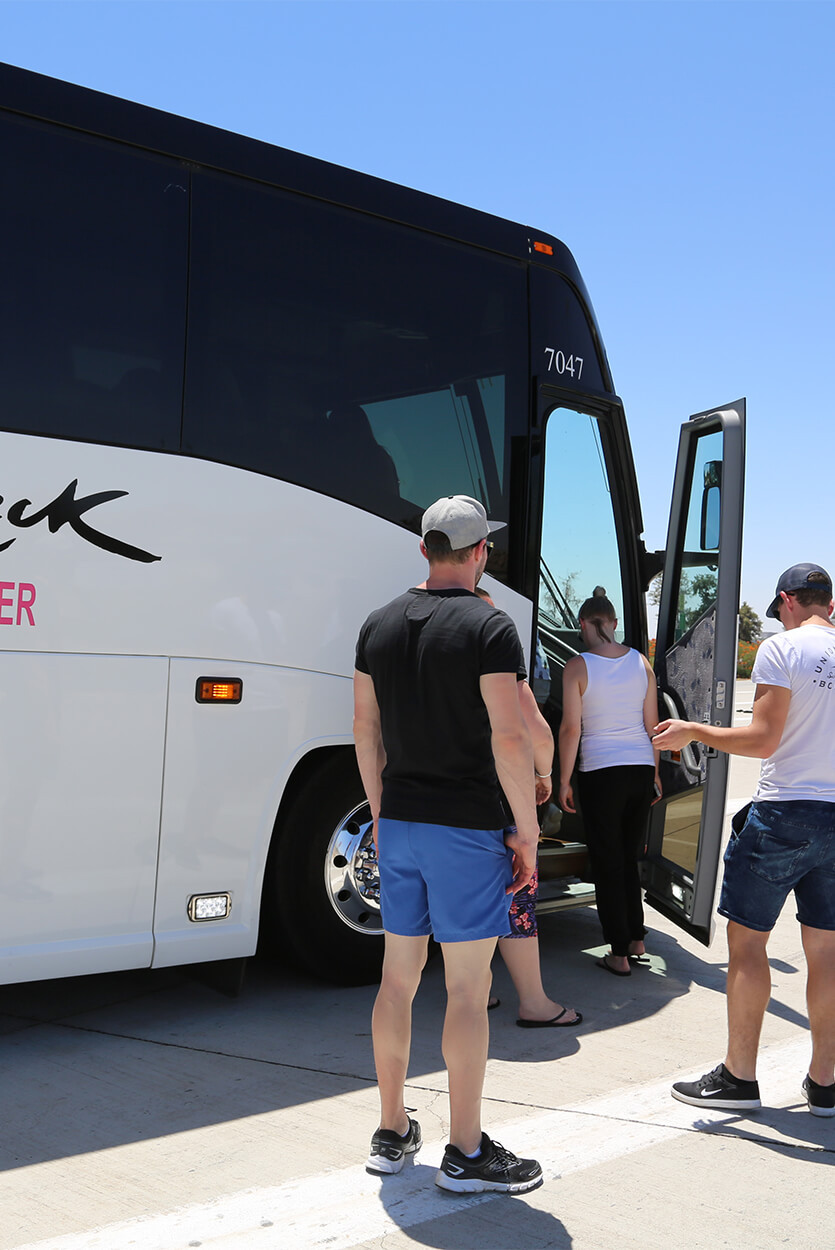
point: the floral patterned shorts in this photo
(523, 910)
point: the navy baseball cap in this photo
(799, 577)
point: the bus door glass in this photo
(579, 554)
(695, 663)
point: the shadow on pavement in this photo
(470, 1222)
(97, 1062)
(797, 1128)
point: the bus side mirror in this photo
(711, 506)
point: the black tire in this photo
(304, 912)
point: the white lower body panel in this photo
(81, 758)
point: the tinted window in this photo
(94, 248)
(362, 359)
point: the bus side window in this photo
(95, 278)
(397, 358)
(350, 440)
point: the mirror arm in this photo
(652, 563)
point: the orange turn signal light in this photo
(544, 247)
(219, 690)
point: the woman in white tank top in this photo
(610, 706)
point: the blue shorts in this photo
(782, 846)
(442, 880)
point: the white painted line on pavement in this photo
(338, 1210)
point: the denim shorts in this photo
(443, 880)
(782, 846)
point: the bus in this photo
(231, 379)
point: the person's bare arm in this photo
(758, 740)
(513, 756)
(570, 727)
(542, 741)
(650, 717)
(368, 739)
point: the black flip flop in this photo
(556, 1022)
(493, 1003)
(607, 967)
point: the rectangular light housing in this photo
(219, 690)
(209, 906)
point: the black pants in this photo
(615, 804)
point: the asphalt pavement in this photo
(145, 1111)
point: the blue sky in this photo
(683, 151)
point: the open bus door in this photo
(695, 662)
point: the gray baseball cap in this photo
(798, 578)
(461, 518)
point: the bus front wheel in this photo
(322, 890)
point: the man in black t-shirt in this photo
(437, 727)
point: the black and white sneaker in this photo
(493, 1168)
(719, 1088)
(389, 1149)
(821, 1098)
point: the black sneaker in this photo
(719, 1089)
(494, 1168)
(389, 1149)
(821, 1098)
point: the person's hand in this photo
(524, 859)
(566, 798)
(543, 790)
(672, 735)
(659, 790)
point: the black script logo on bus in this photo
(67, 510)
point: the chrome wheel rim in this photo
(352, 878)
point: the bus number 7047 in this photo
(560, 363)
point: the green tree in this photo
(750, 625)
(696, 593)
(556, 607)
(701, 594)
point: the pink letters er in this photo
(25, 599)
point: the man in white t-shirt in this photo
(784, 840)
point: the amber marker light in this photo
(219, 690)
(544, 247)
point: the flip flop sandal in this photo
(556, 1022)
(607, 967)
